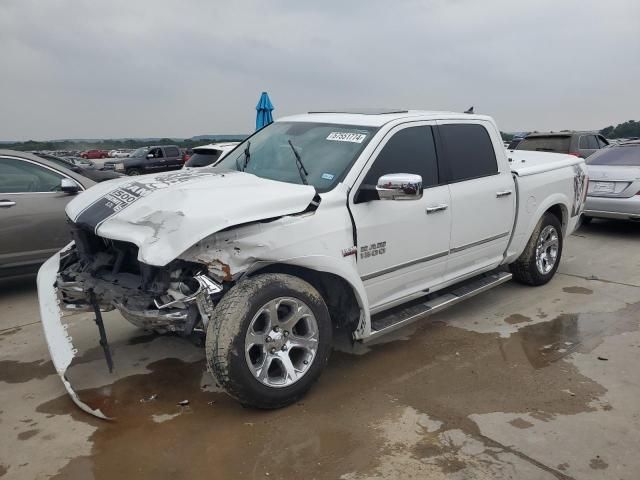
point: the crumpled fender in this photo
(59, 341)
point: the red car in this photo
(94, 154)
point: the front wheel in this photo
(268, 340)
(541, 257)
(133, 172)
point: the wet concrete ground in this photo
(518, 383)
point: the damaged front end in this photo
(96, 274)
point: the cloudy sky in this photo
(88, 69)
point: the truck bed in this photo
(524, 162)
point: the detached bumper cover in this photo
(59, 342)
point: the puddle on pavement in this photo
(578, 290)
(448, 373)
(547, 342)
(12, 371)
(517, 318)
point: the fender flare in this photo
(343, 269)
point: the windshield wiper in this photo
(247, 158)
(301, 170)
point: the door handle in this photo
(504, 193)
(7, 203)
(437, 208)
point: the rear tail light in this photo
(586, 189)
(575, 154)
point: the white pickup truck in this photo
(359, 221)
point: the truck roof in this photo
(379, 117)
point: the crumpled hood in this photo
(164, 214)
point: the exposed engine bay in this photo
(106, 274)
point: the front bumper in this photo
(613, 207)
(56, 295)
(59, 342)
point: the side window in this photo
(156, 152)
(593, 142)
(584, 142)
(601, 141)
(18, 176)
(468, 151)
(172, 152)
(411, 150)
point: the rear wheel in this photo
(541, 257)
(268, 340)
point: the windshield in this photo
(140, 152)
(627, 156)
(326, 151)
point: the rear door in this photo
(32, 218)
(173, 158)
(482, 196)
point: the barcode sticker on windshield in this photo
(346, 137)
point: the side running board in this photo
(397, 317)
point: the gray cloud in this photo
(79, 68)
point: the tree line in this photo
(630, 128)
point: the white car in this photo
(120, 153)
(363, 221)
(209, 154)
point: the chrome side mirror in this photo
(399, 186)
(69, 186)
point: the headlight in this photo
(119, 166)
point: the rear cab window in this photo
(467, 151)
(550, 143)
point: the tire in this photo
(241, 319)
(133, 171)
(586, 220)
(531, 268)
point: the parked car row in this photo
(82, 166)
(164, 158)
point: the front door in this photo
(32, 219)
(402, 244)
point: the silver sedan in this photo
(33, 223)
(614, 183)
